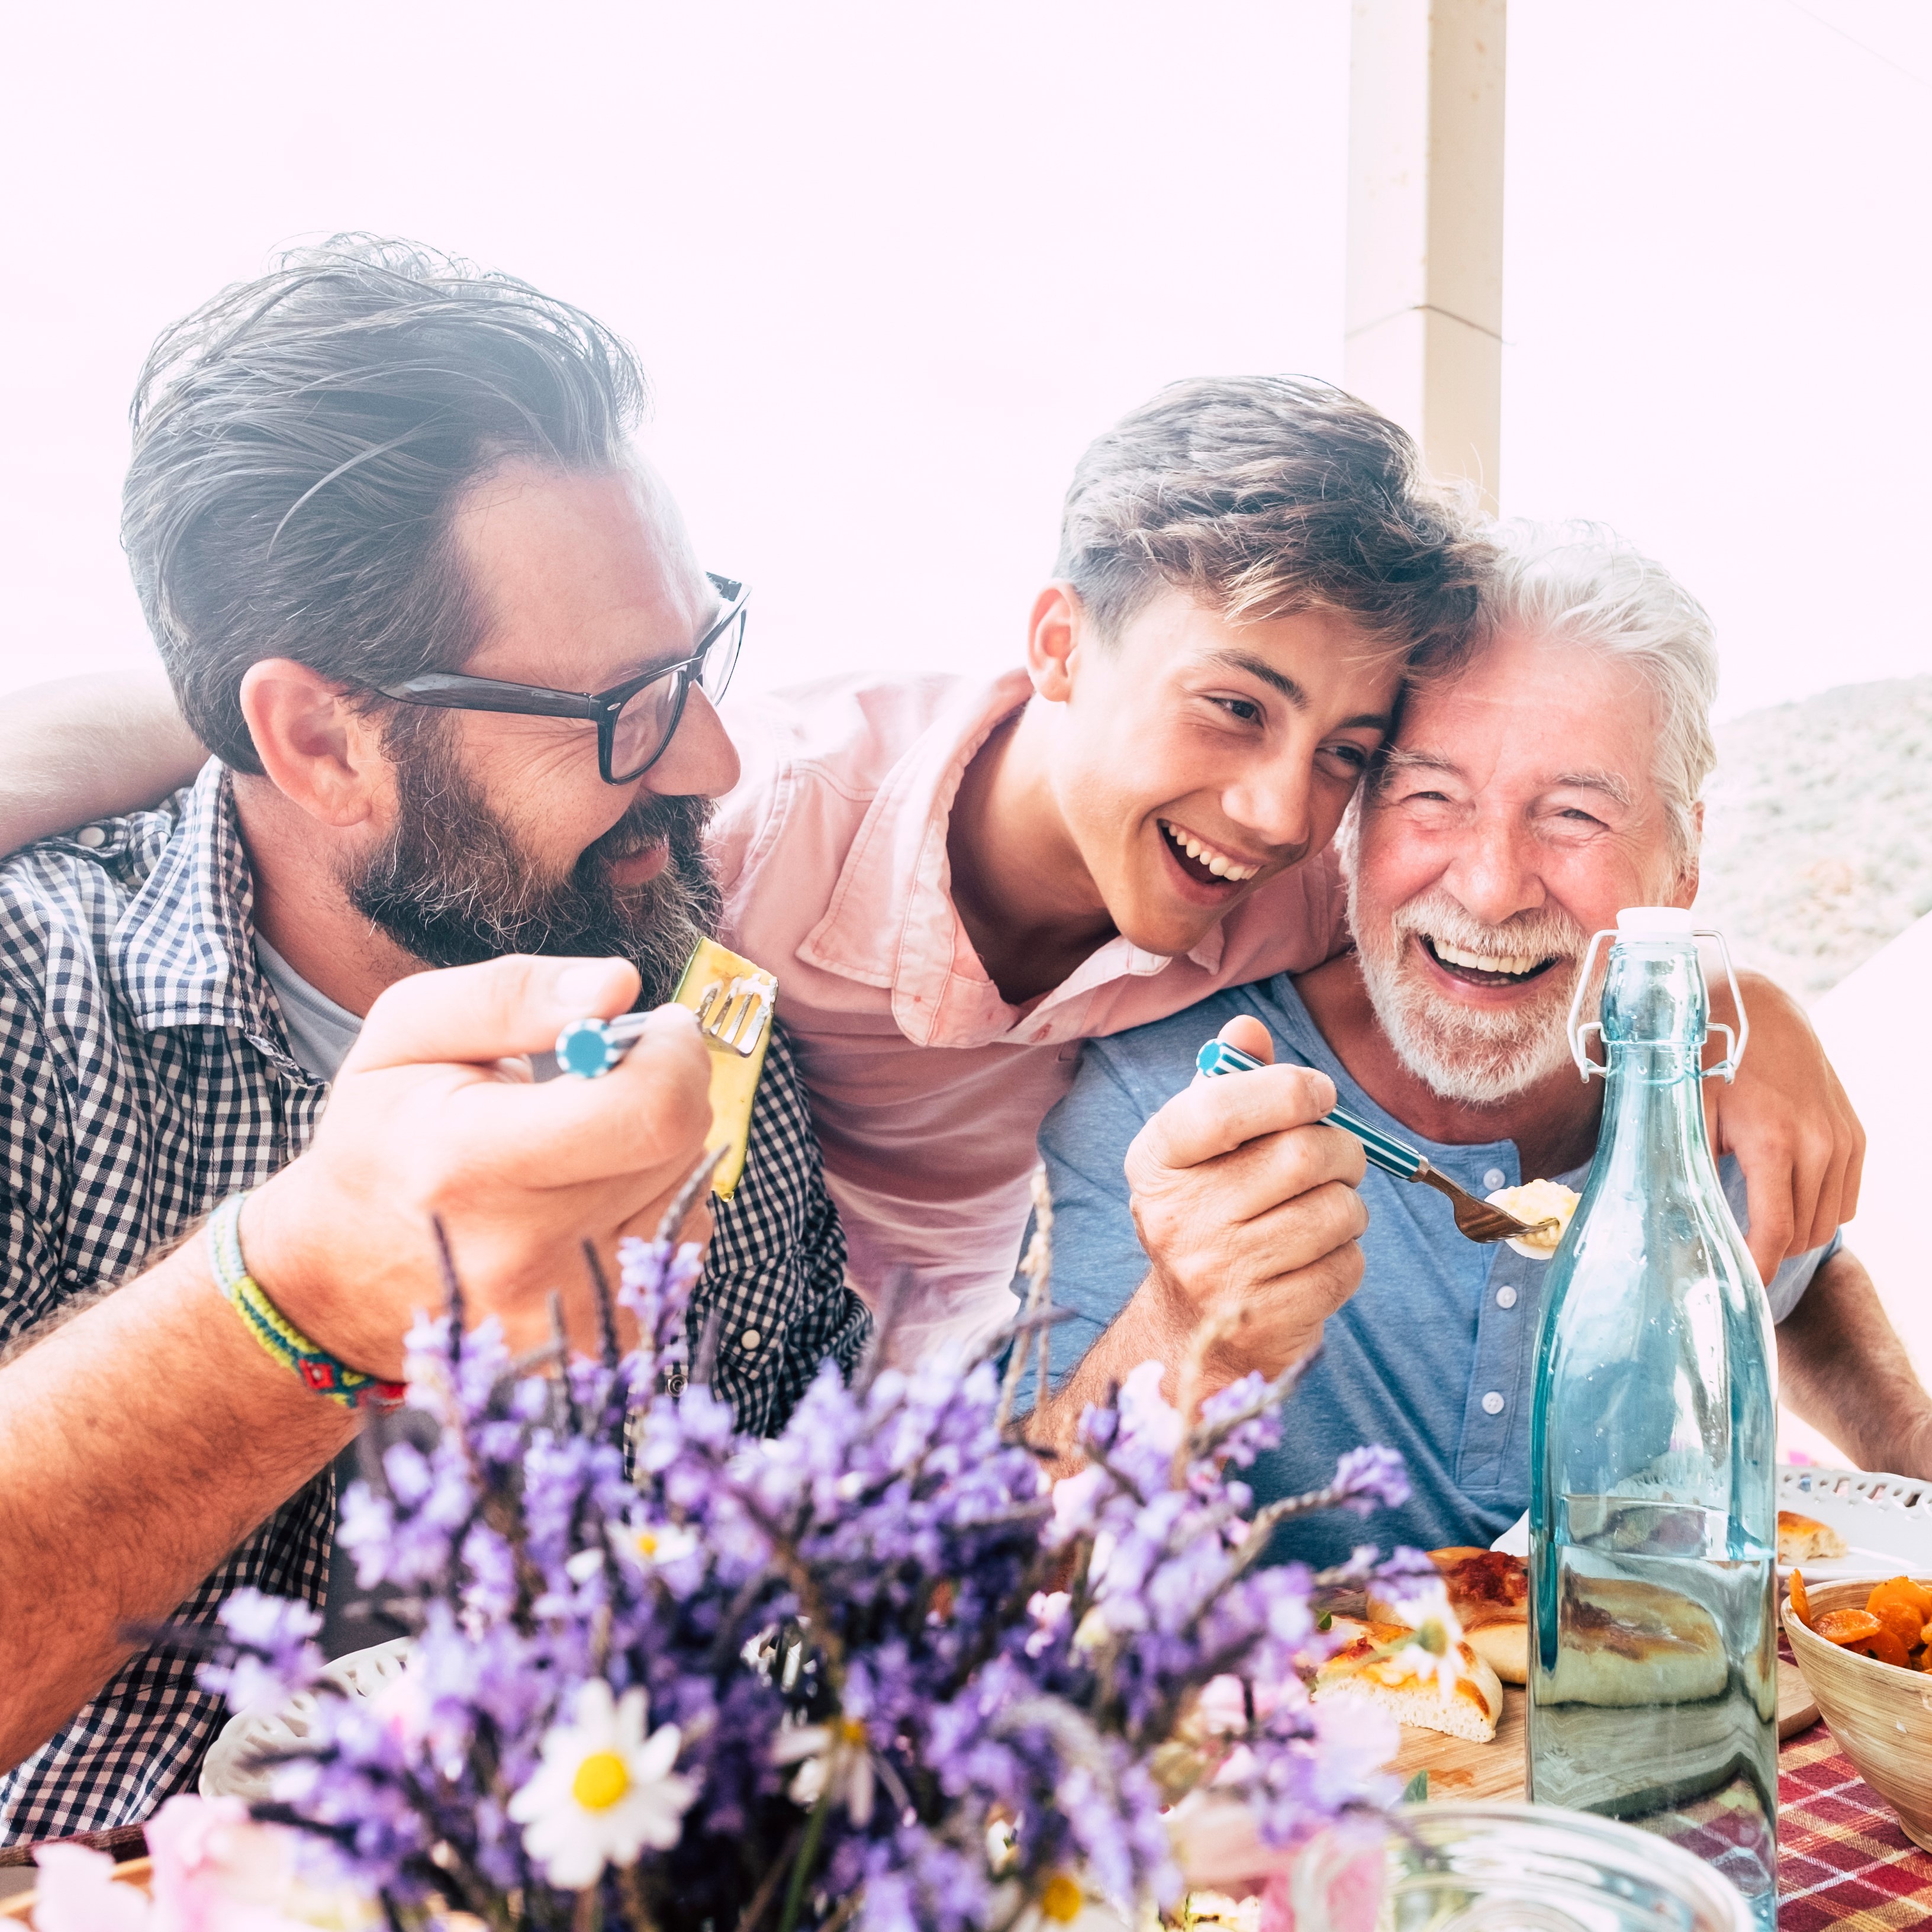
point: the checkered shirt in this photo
(145, 1074)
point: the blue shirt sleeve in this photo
(1097, 1259)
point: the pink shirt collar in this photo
(891, 922)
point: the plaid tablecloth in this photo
(1842, 1859)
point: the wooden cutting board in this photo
(1458, 1768)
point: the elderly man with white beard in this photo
(1526, 796)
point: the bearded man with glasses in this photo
(448, 642)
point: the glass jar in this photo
(1504, 1867)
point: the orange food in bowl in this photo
(1903, 1590)
(1801, 1604)
(1891, 1628)
(1901, 1619)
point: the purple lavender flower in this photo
(271, 1654)
(1371, 1478)
(892, 1655)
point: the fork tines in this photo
(736, 1015)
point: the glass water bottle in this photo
(1653, 1676)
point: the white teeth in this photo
(1514, 964)
(1219, 863)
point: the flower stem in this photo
(814, 1831)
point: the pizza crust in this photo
(1405, 1685)
(1804, 1539)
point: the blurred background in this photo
(890, 268)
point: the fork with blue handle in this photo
(1480, 1220)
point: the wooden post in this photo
(1425, 283)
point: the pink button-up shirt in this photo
(927, 1088)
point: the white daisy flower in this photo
(1431, 1650)
(604, 1791)
(649, 1545)
(1065, 1905)
(838, 1756)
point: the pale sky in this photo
(890, 268)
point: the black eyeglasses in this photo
(636, 720)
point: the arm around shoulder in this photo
(1790, 1124)
(87, 748)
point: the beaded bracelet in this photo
(320, 1370)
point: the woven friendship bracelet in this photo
(320, 1370)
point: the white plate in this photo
(1886, 1521)
(229, 1769)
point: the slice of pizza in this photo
(1490, 1593)
(1804, 1539)
(1377, 1667)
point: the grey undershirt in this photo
(320, 1033)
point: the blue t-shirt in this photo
(1433, 1355)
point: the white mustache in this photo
(1545, 934)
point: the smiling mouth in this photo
(1204, 864)
(1491, 969)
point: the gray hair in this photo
(301, 444)
(1582, 584)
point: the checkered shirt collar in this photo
(183, 954)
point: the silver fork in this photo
(736, 1015)
(1480, 1220)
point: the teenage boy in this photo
(956, 883)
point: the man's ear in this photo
(1687, 878)
(319, 751)
(1053, 638)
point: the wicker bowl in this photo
(1881, 1715)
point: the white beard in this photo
(1480, 1058)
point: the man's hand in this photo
(1790, 1125)
(1248, 1210)
(142, 1440)
(433, 1115)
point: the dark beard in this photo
(451, 886)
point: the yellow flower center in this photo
(1063, 1898)
(852, 1730)
(600, 1781)
(647, 1542)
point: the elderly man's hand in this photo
(433, 1115)
(1790, 1124)
(1247, 1207)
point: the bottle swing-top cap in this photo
(1655, 922)
(1635, 925)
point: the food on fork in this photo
(1804, 1539)
(1488, 1590)
(1537, 1200)
(1378, 1666)
(733, 1001)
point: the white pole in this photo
(1425, 282)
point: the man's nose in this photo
(1275, 807)
(701, 761)
(1493, 874)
